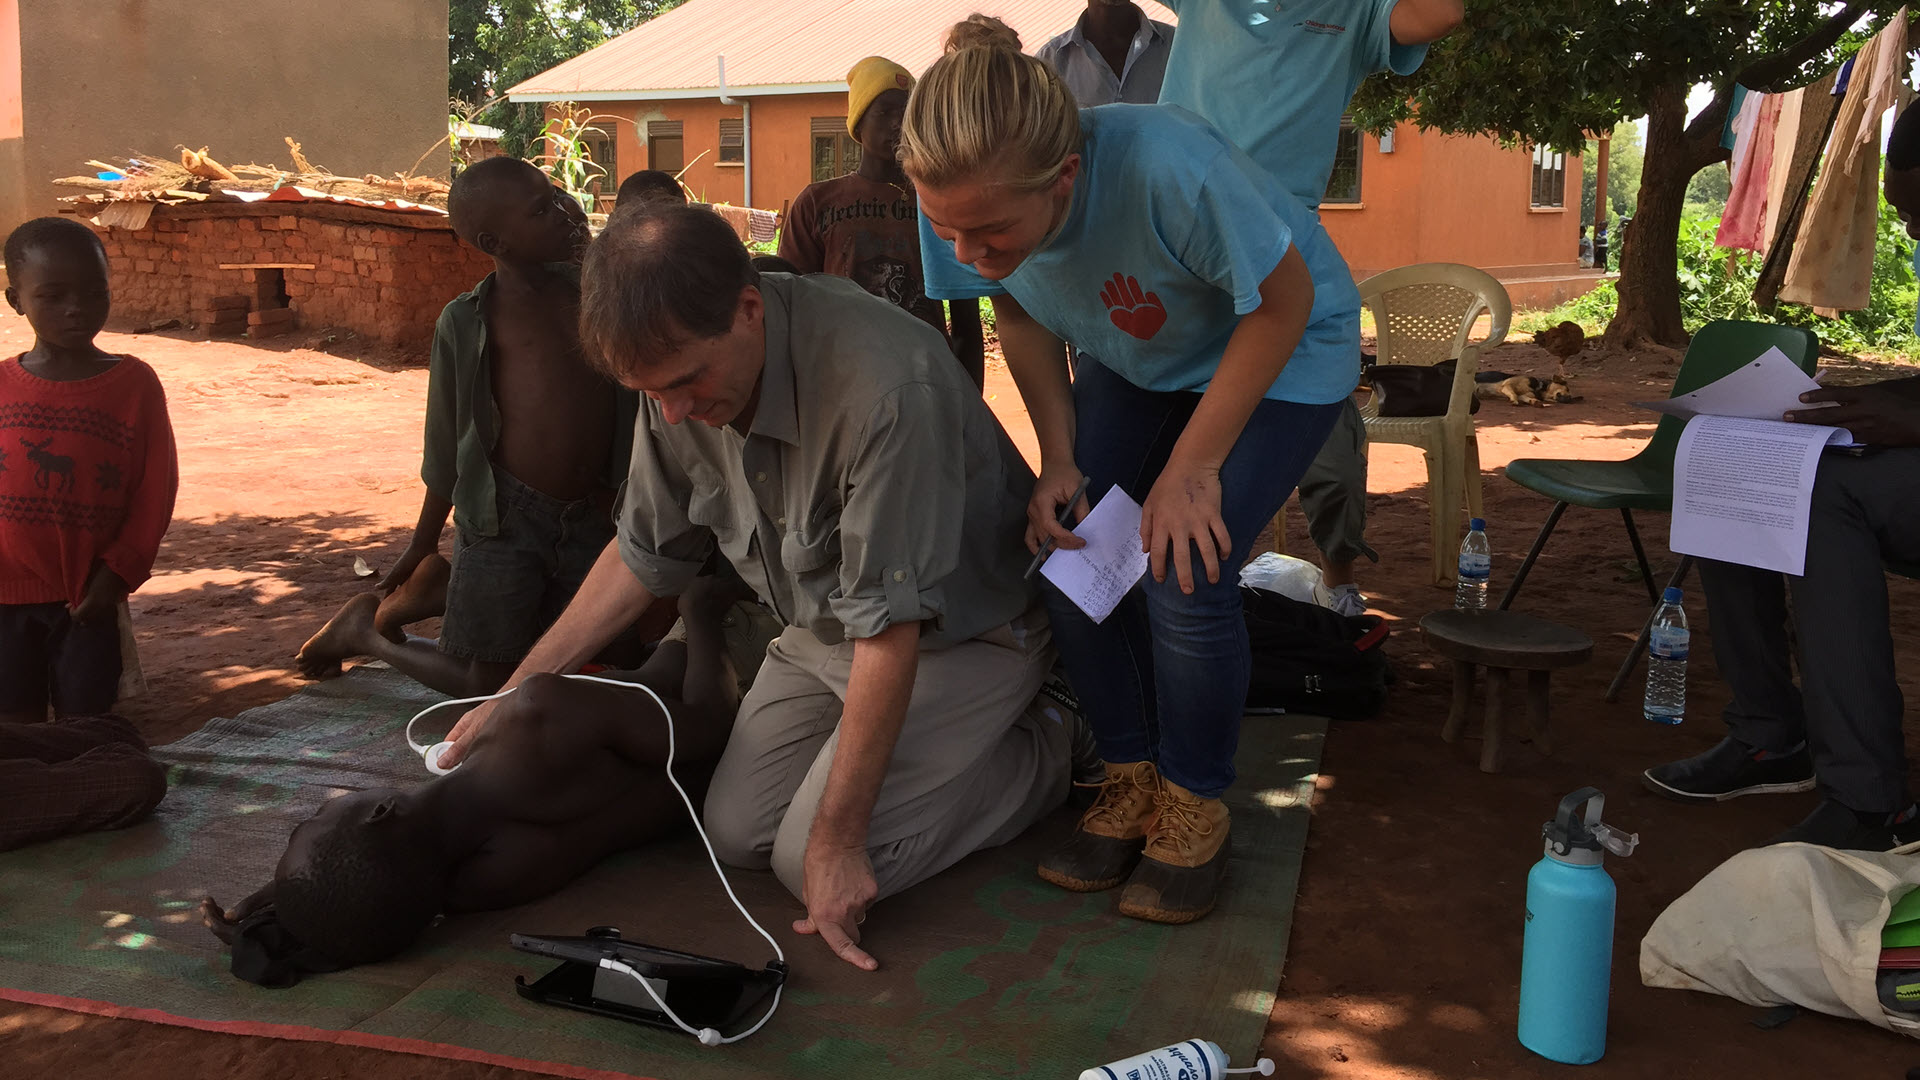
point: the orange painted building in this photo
(746, 100)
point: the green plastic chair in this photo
(1645, 480)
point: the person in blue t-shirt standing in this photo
(1219, 332)
(1275, 78)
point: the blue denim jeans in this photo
(1164, 678)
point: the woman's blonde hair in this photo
(987, 111)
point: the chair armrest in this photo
(1460, 399)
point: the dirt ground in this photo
(1405, 950)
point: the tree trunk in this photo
(1649, 311)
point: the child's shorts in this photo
(506, 589)
(45, 654)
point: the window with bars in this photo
(733, 142)
(835, 154)
(666, 145)
(1549, 179)
(1343, 184)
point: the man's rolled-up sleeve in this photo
(659, 544)
(900, 524)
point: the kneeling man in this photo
(852, 475)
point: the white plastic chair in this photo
(1424, 315)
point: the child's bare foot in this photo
(422, 596)
(346, 634)
(216, 919)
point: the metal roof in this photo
(781, 46)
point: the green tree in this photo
(1624, 154)
(494, 44)
(1551, 71)
(1708, 190)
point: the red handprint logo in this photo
(1140, 314)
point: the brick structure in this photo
(384, 275)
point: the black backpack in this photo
(1307, 659)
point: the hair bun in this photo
(982, 32)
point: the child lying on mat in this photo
(569, 773)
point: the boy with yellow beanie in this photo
(865, 225)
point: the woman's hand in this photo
(1183, 509)
(1051, 491)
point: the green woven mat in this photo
(986, 971)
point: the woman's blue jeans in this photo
(1164, 678)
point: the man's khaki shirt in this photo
(873, 487)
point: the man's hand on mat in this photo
(1183, 512)
(839, 887)
(465, 732)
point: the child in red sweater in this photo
(87, 480)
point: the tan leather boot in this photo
(1107, 843)
(1185, 860)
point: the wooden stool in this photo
(1503, 642)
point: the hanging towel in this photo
(1743, 122)
(1743, 223)
(1786, 134)
(1832, 265)
(1729, 134)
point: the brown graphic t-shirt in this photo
(866, 230)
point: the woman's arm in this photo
(1038, 362)
(1418, 22)
(1184, 505)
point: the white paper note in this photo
(1743, 489)
(1095, 577)
(1765, 389)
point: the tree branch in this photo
(1703, 132)
(1768, 70)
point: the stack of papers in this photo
(1743, 477)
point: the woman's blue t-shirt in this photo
(1189, 225)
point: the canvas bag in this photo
(1792, 924)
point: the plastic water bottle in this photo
(1566, 957)
(1476, 568)
(1667, 662)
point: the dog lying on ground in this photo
(1523, 389)
(1413, 390)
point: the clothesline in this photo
(1819, 246)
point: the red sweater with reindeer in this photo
(87, 473)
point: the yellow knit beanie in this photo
(868, 80)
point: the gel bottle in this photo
(1566, 961)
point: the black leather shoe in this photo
(1728, 771)
(1836, 825)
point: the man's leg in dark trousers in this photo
(1865, 510)
(1747, 611)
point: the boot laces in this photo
(1178, 821)
(1117, 792)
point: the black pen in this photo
(1065, 515)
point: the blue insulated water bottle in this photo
(1566, 960)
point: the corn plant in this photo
(568, 158)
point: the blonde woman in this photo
(1219, 331)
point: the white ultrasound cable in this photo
(707, 1036)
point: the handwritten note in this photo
(1097, 576)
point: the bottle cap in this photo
(1671, 596)
(1579, 839)
(1477, 524)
